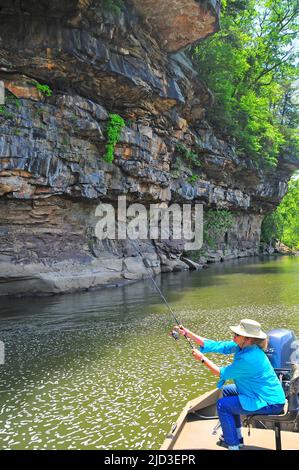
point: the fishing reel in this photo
(174, 334)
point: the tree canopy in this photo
(283, 224)
(251, 66)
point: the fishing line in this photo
(174, 334)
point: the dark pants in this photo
(229, 410)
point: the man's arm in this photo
(209, 345)
(198, 356)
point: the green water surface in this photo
(97, 370)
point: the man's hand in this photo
(198, 356)
(181, 329)
(185, 332)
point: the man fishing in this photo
(256, 388)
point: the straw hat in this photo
(249, 328)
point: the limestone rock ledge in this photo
(68, 275)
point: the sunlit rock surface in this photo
(179, 23)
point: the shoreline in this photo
(52, 283)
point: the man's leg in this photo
(228, 407)
(228, 391)
(267, 410)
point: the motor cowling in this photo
(283, 353)
(283, 348)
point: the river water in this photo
(97, 370)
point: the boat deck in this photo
(197, 434)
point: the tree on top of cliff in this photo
(251, 66)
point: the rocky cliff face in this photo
(52, 172)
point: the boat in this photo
(198, 426)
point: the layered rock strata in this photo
(52, 171)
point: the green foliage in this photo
(192, 179)
(251, 67)
(114, 128)
(190, 157)
(288, 214)
(215, 224)
(45, 89)
(113, 6)
(283, 224)
(271, 228)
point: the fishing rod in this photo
(173, 333)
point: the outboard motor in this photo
(283, 348)
(283, 353)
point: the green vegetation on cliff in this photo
(43, 88)
(251, 68)
(283, 224)
(215, 224)
(114, 127)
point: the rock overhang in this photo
(179, 23)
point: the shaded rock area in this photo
(52, 172)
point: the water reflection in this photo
(97, 369)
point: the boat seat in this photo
(289, 415)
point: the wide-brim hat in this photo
(249, 328)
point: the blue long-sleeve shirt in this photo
(252, 372)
